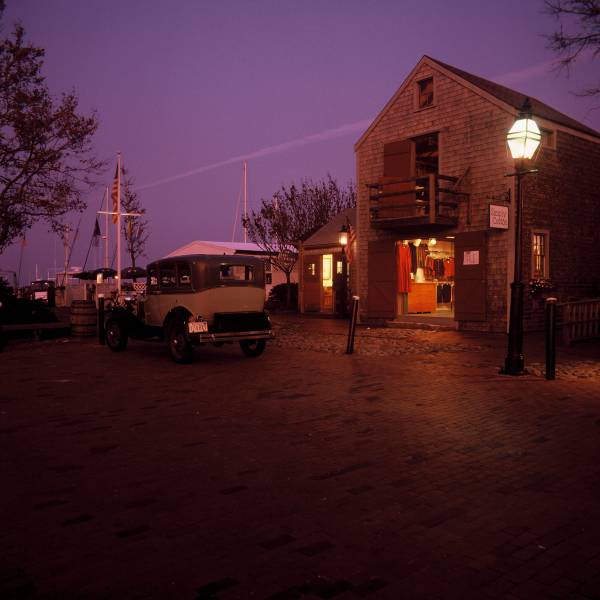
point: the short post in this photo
(550, 330)
(352, 328)
(101, 333)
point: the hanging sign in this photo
(498, 216)
(471, 257)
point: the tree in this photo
(135, 229)
(45, 145)
(291, 216)
(582, 33)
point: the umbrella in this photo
(133, 273)
(106, 273)
(87, 275)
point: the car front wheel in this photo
(180, 346)
(116, 335)
(253, 348)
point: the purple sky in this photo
(181, 86)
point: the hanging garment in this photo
(438, 268)
(444, 293)
(413, 257)
(449, 268)
(403, 268)
(422, 253)
(429, 271)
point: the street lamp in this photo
(343, 241)
(523, 140)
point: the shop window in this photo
(425, 92)
(539, 258)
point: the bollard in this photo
(550, 330)
(352, 328)
(101, 333)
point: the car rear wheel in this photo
(253, 348)
(116, 335)
(180, 346)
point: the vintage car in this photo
(193, 300)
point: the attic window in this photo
(425, 91)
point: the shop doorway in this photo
(425, 277)
(327, 282)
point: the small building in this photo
(273, 276)
(435, 209)
(326, 274)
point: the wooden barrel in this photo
(83, 318)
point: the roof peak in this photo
(515, 98)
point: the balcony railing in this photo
(431, 200)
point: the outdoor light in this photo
(523, 140)
(524, 136)
(343, 236)
(432, 242)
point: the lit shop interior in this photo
(425, 276)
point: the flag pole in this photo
(119, 223)
(106, 230)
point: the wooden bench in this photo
(36, 328)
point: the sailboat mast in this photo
(245, 200)
(119, 223)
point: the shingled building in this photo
(435, 214)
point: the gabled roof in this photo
(516, 99)
(328, 235)
(511, 99)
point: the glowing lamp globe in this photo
(524, 136)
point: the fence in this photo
(580, 320)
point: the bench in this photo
(36, 328)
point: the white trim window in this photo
(540, 256)
(425, 93)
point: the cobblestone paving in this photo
(331, 338)
(368, 342)
(303, 474)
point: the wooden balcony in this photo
(430, 202)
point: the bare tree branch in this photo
(578, 31)
(292, 215)
(45, 145)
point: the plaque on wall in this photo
(471, 257)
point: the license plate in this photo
(198, 326)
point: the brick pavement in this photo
(301, 474)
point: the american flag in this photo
(97, 233)
(114, 194)
(351, 240)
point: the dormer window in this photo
(425, 92)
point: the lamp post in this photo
(343, 241)
(523, 140)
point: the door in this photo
(398, 163)
(381, 298)
(312, 283)
(327, 281)
(470, 276)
